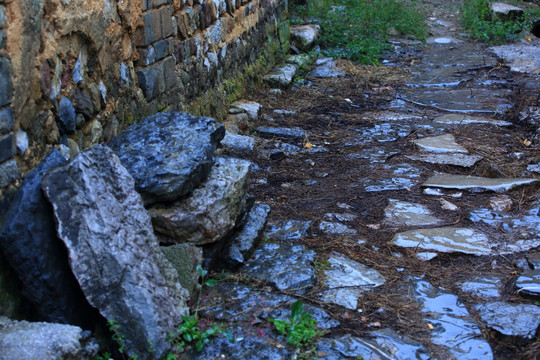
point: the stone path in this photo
(405, 217)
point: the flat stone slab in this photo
(462, 119)
(445, 239)
(488, 286)
(383, 344)
(528, 283)
(288, 230)
(286, 266)
(347, 279)
(506, 11)
(238, 145)
(402, 213)
(23, 340)
(251, 108)
(381, 133)
(475, 183)
(394, 177)
(453, 327)
(521, 57)
(168, 154)
(447, 159)
(326, 68)
(440, 144)
(336, 228)
(281, 76)
(211, 210)
(373, 154)
(113, 251)
(514, 320)
(286, 133)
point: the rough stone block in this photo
(161, 49)
(169, 72)
(147, 56)
(7, 147)
(166, 14)
(6, 120)
(9, 172)
(113, 251)
(185, 258)
(151, 80)
(146, 4)
(152, 30)
(6, 88)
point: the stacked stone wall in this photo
(77, 72)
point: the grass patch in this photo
(478, 19)
(358, 29)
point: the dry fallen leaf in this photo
(430, 326)
(308, 145)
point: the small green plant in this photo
(358, 29)
(191, 331)
(300, 329)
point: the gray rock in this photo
(347, 279)
(281, 132)
(336, 228)
(384, 344)
(518, 321)
(528, 283)
(402, 213)
(30, 244)
(453, 327)
(8, 147)
(488, 286)
(83, 104)
(440, 144)
(66, 116)
(520, 57)
(238, 145)
(243, 243)
(303, 36)
(393, 177)
(445, 239)
(326, 68)
(112, 249)
(288, 230)
(373, 154)
(286, 266)
(251, 108)
(6, 120)
(460, 119)
(23, 340)
(506, 12)
(211, 210)
(185, 258)
(475, 183)
(9, 172)
(448, 159)
(281, 76)
(168, 154)
(534, 260)
(6, 87)
(22, 141)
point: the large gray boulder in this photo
(168, 154)
(23, 340)
(113, 251)
(30, 244)
(211, 210)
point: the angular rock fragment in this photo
(303, 36)
(281, 76)
(460, 119)
(112, 249)
(286, 133)
(286, 266)
(528, 283)
(517, 321)
(238, 145)
(23, 340)
(506, 12)
(38, 256)
(445, 239)
(185, 258)
(402, 213)
(336, 228)
(211, 210)
(440, 144)
(447, 159)
(251, 108)
(475, 183)
(326, 68)
(168, 154)
(288, 230)
(243, 243)
(488, 286)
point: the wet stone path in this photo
(404, 210)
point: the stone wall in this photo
(77, 72)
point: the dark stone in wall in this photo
(150, 80)
(9, 172)
(83, 104)
(152, 29)
(30, 244)
(66, 116)
(161, 49)
(6, 88)
(6, 120)
(7, 147)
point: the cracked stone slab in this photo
(347, 279)
(461, 119)
(489, 286)
(447, 159)
(402, 213)
(475, 183)
(445, 239)
(440, 144)
(528, 283)
(518, 321)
